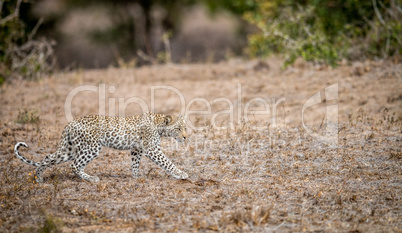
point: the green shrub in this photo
(50, 224)
(20, 54)
(26, 116)
(326, 31)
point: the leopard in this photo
(83, 138)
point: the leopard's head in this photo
(174, 127)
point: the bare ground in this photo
(276, 178)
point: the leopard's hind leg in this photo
(84, 155)
(64, 153)
(45, 163)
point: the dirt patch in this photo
(277, 177)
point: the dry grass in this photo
(274, 179)
(26, 116)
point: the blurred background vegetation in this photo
(96, 34)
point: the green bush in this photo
(20, 54)
(28, 116)
(326, 31)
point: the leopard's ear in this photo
(168, 119)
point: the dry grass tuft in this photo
(28, 116)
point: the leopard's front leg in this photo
(156, 155)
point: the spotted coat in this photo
(83, 138)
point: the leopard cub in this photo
(83, 138)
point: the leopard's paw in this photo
(181, 175)
(92, 179)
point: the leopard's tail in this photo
(21, 157)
